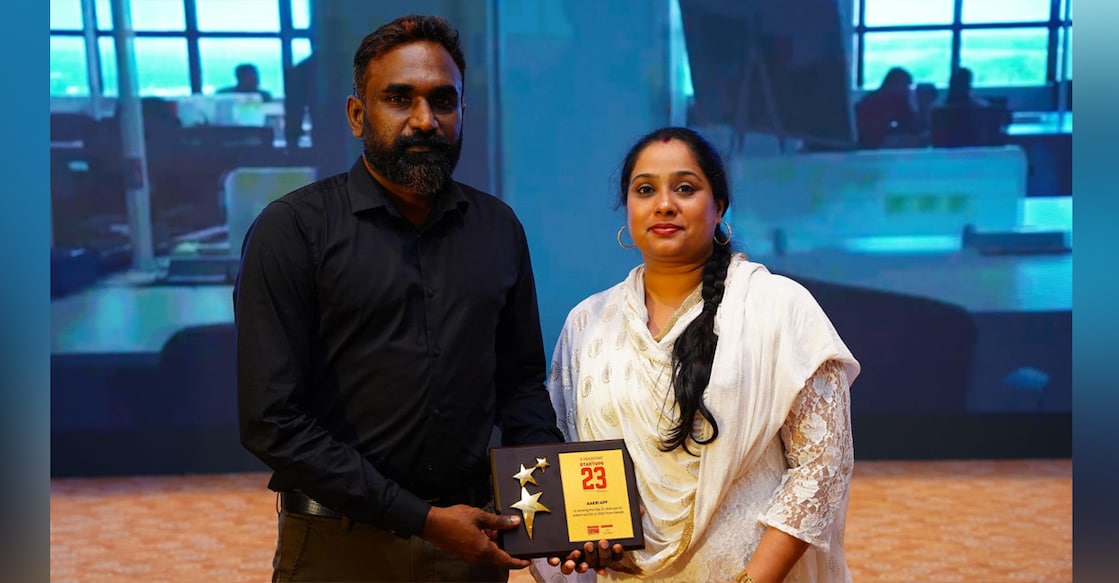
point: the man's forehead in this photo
(421, 57)
(419, 71)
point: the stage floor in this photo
(907, 521)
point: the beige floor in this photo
(990, 522)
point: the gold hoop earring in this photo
(624, 246)
(726, 226)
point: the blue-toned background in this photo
(969, 332)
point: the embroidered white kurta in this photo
(779, 392)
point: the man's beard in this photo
(426, 173)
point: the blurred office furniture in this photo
(73, 129)
(968, 125)
(191, 144)
(248, 190)
(197, 384)
(917, 354)
(245, 193)
(72, 269)
(823, 199)
(742, 64)
(143, 382)
(1046, 137)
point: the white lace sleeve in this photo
(820, 454)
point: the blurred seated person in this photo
(887, 110)
(926, 95)
(965, 120)
(959, 90)
(248, 81)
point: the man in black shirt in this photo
(386, 321)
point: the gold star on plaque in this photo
(542, 463)
(525, 475)
(529, 505)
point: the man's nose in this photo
(423, 119)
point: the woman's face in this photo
(671, 210)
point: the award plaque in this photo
(566, 494)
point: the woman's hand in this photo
(600, 557)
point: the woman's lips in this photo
(664, 229)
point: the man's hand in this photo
(468, 533)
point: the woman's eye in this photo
(686, 188)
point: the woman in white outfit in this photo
(728, 384)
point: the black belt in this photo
(299, 503)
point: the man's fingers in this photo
(503, 559)
(498, 521)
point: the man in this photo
(386, 320)
(887, 111)
(248, 81)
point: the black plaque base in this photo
(602, 496)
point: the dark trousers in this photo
(312, 548)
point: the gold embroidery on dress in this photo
(610, 416)
(595, 348)
(693, 298)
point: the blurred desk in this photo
(978, 283)
(1046, 138)
(108, 320)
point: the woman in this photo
(728, 384)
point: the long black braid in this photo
(693, 354)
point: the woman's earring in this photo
(624, 246)
(726, 241)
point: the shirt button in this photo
(438, 351)
(429, 468)
(429, 292)
(435, 412)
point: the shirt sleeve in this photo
(524, 412)
(276, 314)
(820, 454)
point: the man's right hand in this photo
(461, 531)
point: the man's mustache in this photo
(432, 141)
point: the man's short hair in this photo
(404, 30)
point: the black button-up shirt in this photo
(374, 358)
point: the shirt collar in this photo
(366, 193)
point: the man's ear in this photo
(355, 113)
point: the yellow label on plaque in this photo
(596, 495)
